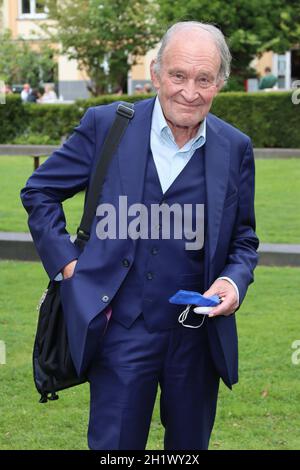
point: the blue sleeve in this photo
(242, 257)
(62, 175)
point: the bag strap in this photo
(124, 114)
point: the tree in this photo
(251, 26)
(19, 63)
(104, 36)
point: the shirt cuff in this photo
(58, 277)
(234, 285)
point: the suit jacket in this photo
(232, 243)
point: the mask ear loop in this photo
(182, 317)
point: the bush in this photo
(269, 118)
(35, 139)
(53, 120)
(107, 99)
(12, 118)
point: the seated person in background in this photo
(138, 89)
(148, 88)
(268, 81)
(33, 96)
(49, 96)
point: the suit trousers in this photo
(124, 378)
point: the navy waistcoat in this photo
(162, 266)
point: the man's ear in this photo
(220, 85)
(154, 75)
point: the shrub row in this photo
(269, 118)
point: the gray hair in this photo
(217, 36)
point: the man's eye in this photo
(178, 76)
(204, 80)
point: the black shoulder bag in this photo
(53, 368)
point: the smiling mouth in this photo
(190, 106)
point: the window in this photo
(39, 7)
(25, 7)
(32, 9)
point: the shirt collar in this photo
(162, 130)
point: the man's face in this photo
(190, 60)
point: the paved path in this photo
(32, 150)
(19, 246)
(276, 153)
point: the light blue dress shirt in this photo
(168, 157)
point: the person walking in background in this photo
(138, 89)
(118, 90)
(8, 90)
(34, 96)
(25, 92)
(147, 88)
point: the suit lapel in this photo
(133, 152)
(217, 152)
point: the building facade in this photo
(23, 18)
(284, 66)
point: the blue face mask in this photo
(185, 297)
(189, 298)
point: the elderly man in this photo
(173, 152)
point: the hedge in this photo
(12, 118)
(269, 118)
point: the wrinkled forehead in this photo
(191, 47)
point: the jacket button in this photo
(105, 298)
(154, 251)
(125, 263)
(149, 276)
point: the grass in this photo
(262, 412)
(14, 172)
(277, 199)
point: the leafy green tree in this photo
(251, 26)
(19, 63)
(104, 36)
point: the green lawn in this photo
(277, 199)
(14, 172)
(262, 412)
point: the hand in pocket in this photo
(68, 270)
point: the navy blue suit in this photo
(144, 345)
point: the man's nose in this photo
(190, 91)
